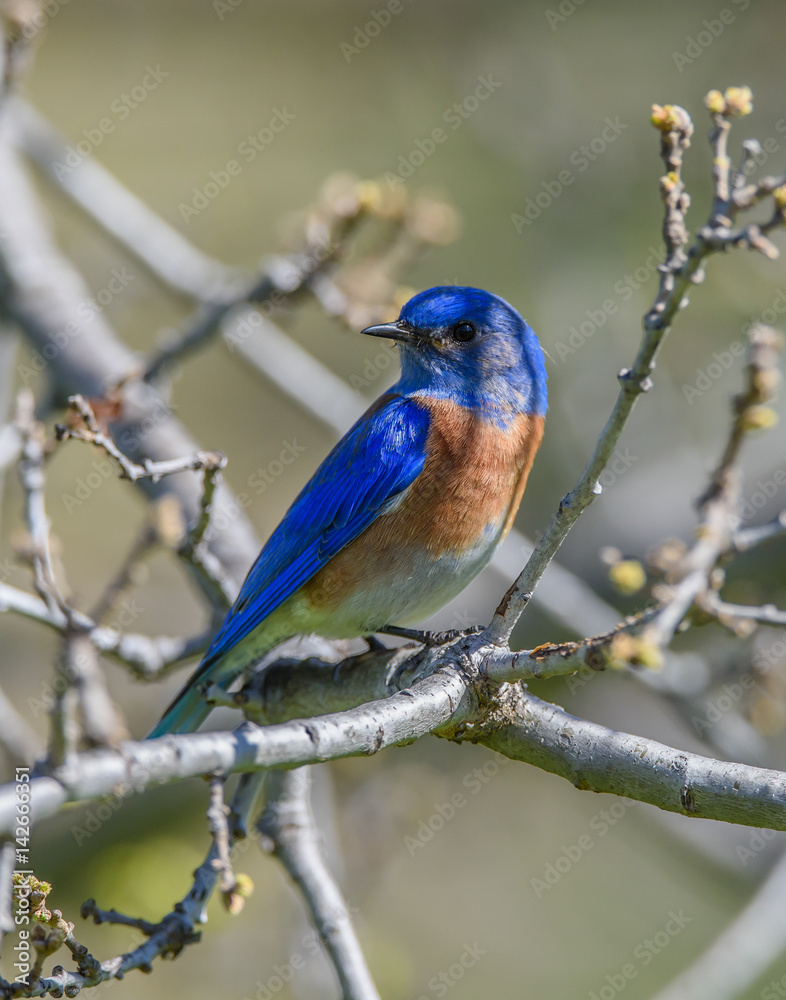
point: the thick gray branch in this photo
(597, 759)
(512, 722)
(402, 718)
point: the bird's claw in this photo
(432, 638)
(443, 638)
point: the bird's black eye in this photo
(463, 332)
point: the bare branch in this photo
(42, 293)
(31, 476)
(403, 717)
(677, 273)
(289, 833)
(748, 538)
(166, 939)
(446, 702)
(168, 255)
(149, 657)
(765, 614)
(102, 722)
(598, 759)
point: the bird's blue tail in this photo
(185, 715)
(218, 669)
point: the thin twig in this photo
(289, 832)
(124, 577)
(748, 538)
(165, 939)
(691, 577)
(149, 657)
(211, 479)
(679, 270)
(102, 721)
(223, 589)
(31, 476)
(93, 434)
(764, 614)
(217, 819)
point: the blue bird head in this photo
(469, 346)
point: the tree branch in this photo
(289, 832)
(149, 657)
(165, 251)
(446, 702)
(678, 272)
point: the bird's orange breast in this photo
(470, 488)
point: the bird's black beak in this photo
(393, 331)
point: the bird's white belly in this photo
(406, 596)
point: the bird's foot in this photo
(431, 638)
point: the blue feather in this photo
(367, 470)
(497, 373)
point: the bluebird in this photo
(412, 502)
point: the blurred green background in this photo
(563, 74)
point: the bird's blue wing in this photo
(372, 464)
